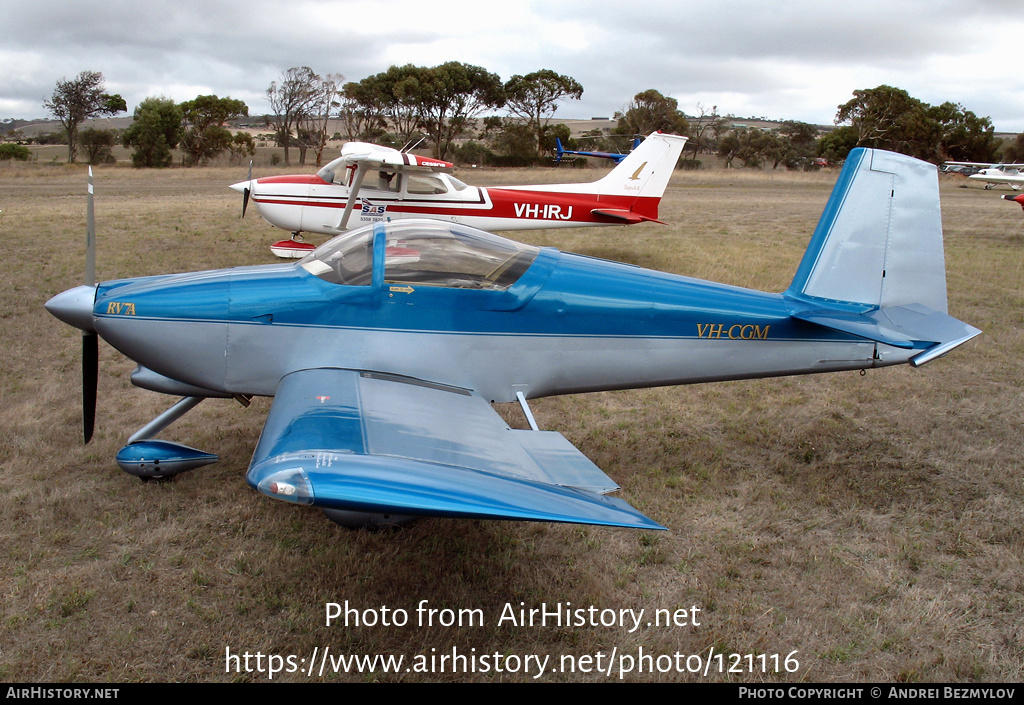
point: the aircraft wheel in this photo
(367, 520)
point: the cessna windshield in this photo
(423, 253)
(335, 172)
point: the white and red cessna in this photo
(369, 183)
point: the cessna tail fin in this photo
(875, 265)
(645, 171)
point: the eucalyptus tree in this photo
(80, 99)
(455, 94)
(650, 111)
(289, 99)
(536, 96)
(203, 135)
(154, 132)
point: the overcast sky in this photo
(784, 59)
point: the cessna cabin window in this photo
(424, 253)
(425, 184)
(386, 181)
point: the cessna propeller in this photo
(247, 190)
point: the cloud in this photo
(799, 59)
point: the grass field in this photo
(870, 523)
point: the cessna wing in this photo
(374, 156)
(359, 441)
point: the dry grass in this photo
(872, 523)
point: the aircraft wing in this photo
(377, 157)
(371, 442)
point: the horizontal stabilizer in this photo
(908, 327)
(623, 216)
(371, 442)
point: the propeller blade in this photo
(90, 237)
(90, 374)
(90, 341)
(247, 191)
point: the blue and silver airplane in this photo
(385, 347)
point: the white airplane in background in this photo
(369, 183)
(992, 174)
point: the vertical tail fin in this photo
(879, 240)
(875, 265)
(645, 171)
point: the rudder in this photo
(879, 239)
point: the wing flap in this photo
(372, 442)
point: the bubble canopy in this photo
(422, 253)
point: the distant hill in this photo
(14, 124)
(31, 128)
